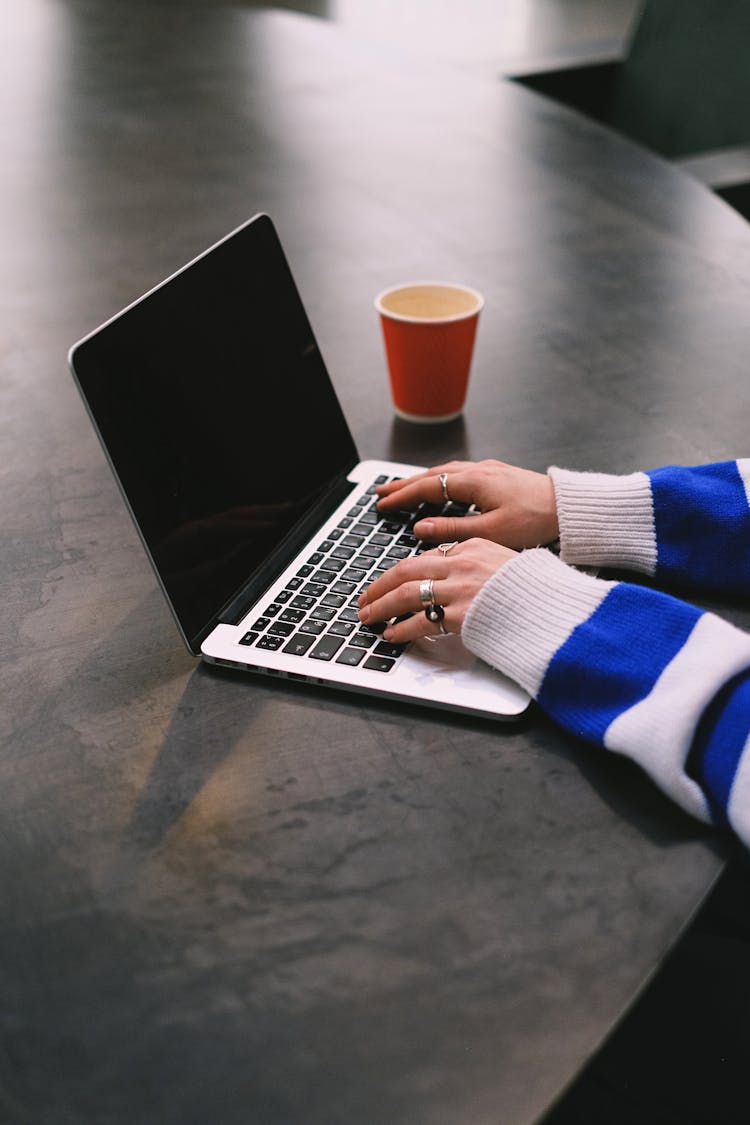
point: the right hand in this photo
(517, 505)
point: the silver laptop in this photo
(216, 412)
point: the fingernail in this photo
(364, 613)
(426, 528)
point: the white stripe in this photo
(657, 732)
(521, 617)
(738, 811)
(743, 468)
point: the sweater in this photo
(627, 667)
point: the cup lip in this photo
(429, 319)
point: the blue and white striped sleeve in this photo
(630, 669)
(678, 524)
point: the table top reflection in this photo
(238, 900)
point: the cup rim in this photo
(429, 319)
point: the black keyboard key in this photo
(281, 629)
(293, 615)
(351, 656)
(345, 522)
(269, 642)
(313, 627)
(378, 664)
(371, 551)
(381, 539)
(248, 638)
(299, 644)
(391, 526)
(341, 628)
(303, 602)
(342, 552)
(335, 533)
(392, 651)
(353, 540)
(343, 587)
(325, 546)
(313, 589)
(294, 583)
(335, 600)
(284, 595)
(353, 513)
(407, 540)
(375, 627)
(382, 479)
(261, 623)
(315, 558)
(323, 613)
(334, 564)
(271, 610)
(349, 615)
(355, 573)
(398, 553)
(327, 647)
(370, 517)
(324, 576)
(304, 571)
(363, 640)
(363, 501)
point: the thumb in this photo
(445, 529)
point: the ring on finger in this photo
(445, 547)
(443, 478)
(436, 614)
(425, 591)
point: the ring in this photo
(425, 592)
(445, 547)
(434, 613)
(443, 478)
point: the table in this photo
(237, 901)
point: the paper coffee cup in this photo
(428, 331)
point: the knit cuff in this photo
(605, 520)
(522, 615)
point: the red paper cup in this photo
(428, 332)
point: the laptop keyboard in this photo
(315, 615)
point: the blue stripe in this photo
(612, 660)
(702, 523)
(719, 740)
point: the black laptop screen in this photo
(212, 400)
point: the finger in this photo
(413, 492)
(445, 529)
(396, 485)
(430, 564)
(413, 628)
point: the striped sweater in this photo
(628, 667)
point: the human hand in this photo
(458, 572)
(517, 505)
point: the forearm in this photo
(688, 525)
(629, 669)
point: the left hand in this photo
(458, 575)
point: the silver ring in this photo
(435, 613)
(425, 591)
(445, 547)
(443, 478)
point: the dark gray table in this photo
(236, 901)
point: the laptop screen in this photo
(213, 403)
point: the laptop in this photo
(212, 402)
